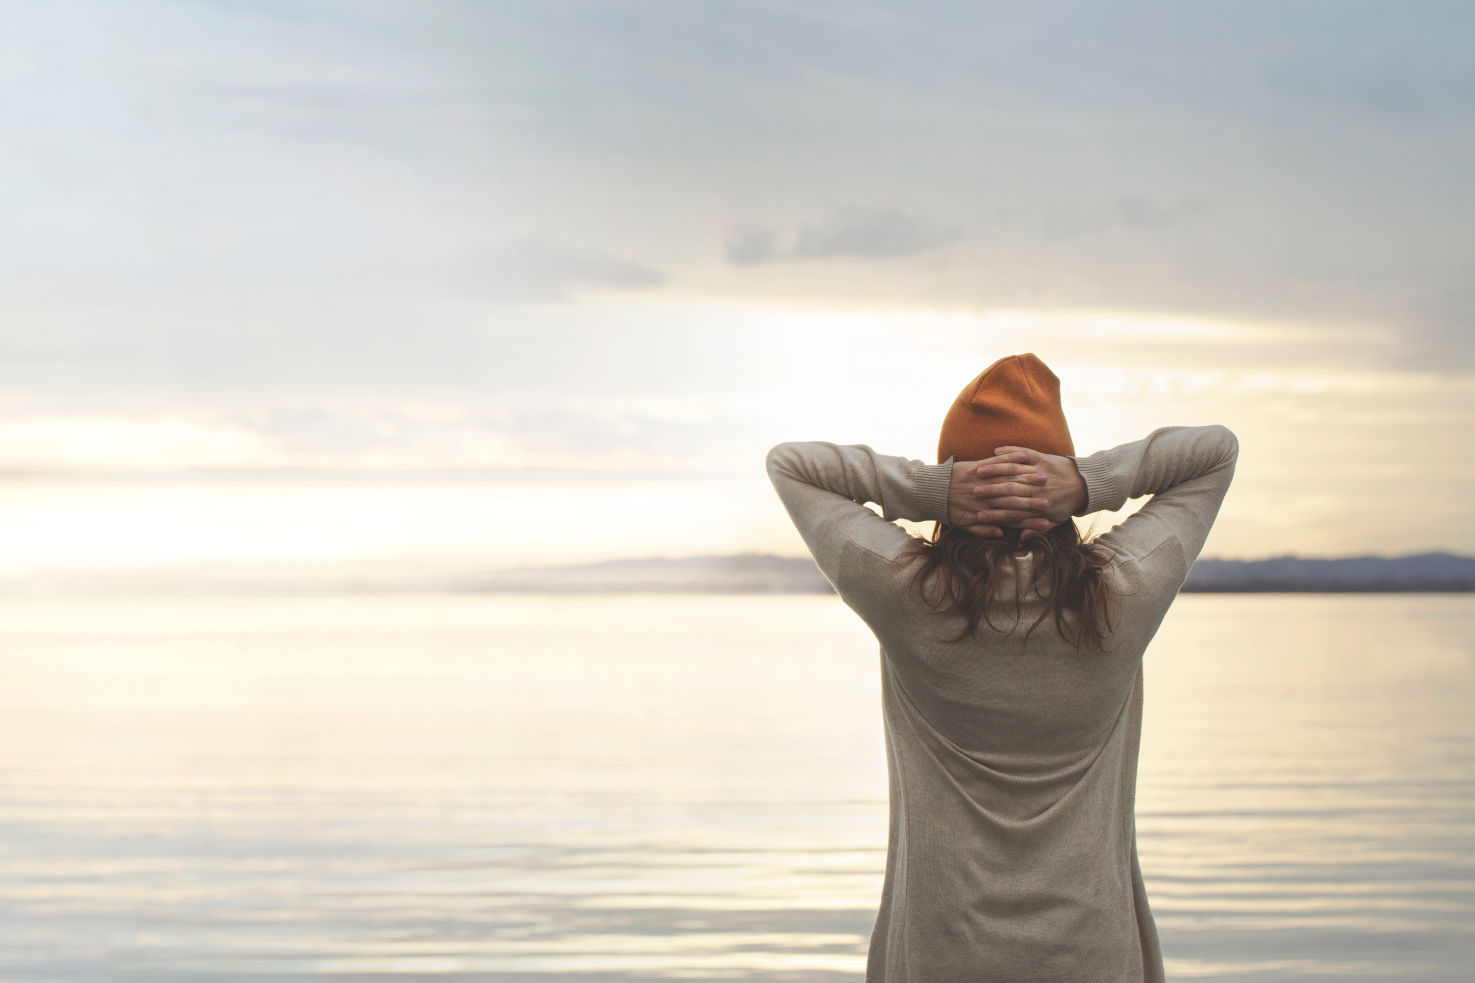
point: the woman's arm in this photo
(1186, 470)
(847, 476)
(823, 486)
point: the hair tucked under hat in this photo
(1015, 401)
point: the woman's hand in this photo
(1054, 476)
(985, 495)
(1019, 487)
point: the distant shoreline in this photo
(205, 590)
(1334, 589)
(746, 573)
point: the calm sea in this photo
(693, 788)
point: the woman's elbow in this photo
(1228, 443)
(778, 456)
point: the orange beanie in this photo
(1015, 401)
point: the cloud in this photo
(855, 233)
(1124, 211)
(527, 270)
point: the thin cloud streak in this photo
(856, 233)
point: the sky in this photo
(368, 285)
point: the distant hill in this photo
(761, 573)
(1421, 572)
(742, 573)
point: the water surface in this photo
(645, 788)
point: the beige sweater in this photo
(1012, 763)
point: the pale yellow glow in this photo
(1314, 440)
(86, 441)
(47, 525)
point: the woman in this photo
(1011, 658)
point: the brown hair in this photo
(1068, 570)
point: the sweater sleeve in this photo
(1186, 470)
(823, 486)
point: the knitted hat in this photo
(1015, 401)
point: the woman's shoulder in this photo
(1146, 582)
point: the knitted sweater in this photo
(1012, 763)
